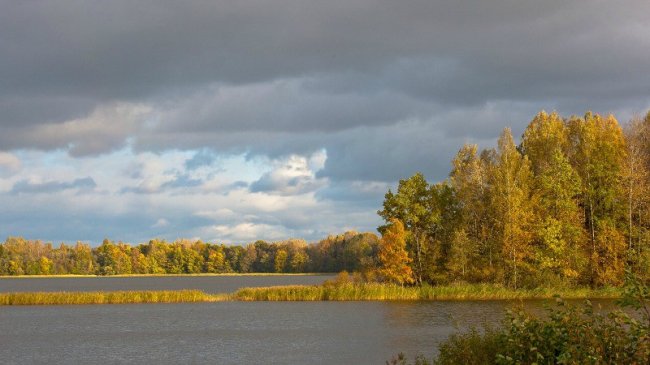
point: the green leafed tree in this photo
(560, 233)
(413, 205)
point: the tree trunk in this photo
(419, 258)
(514, 264)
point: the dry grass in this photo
(116, 297)
(327, 292)
(379, 292)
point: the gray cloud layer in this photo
(386, 87)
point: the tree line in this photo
(568, 205)
(350, 251)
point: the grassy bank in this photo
(379, 292)
(117, 297)
(344, 292)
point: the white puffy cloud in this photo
(248, 231)
(293, 175)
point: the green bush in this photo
(566, 335)
(472, 347)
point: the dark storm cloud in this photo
(360, 194)
(285, 106)
(126, 50)
(296, 76)
(25, 187)
(390, 153)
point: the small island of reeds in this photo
(112, 297)
(392, 292)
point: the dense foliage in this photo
(569, 205)
(350, 251)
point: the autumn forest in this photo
(567, 206)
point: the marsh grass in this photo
(116, 297)
(380, 292)
(326, 292)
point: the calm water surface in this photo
(235, 332)
(208, 284)
(231, 332)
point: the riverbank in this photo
(344, 292)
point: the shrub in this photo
(566, 335)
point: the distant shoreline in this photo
(158, 275)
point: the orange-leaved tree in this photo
(393, 258)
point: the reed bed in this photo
(116, 297)
(326, 292)
(381, 292)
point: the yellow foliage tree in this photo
(598, 154)
(280, 260)
(610, 255)
(637, 186)
(512, 205)
(393, 258)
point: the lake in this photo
(229, 332)
(232, 332)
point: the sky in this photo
(232, 121)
